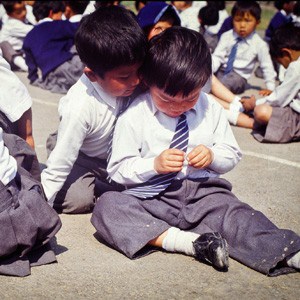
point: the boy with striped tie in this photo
(177, 143)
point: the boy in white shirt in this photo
(277, 116)
(112, 45)
(174, 198)
(239, 49)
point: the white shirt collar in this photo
(75, 18)
(108, 99)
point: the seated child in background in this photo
(282, 17)
(277, 116)
(296, 14)
(208, 16)
(76, 168)
(27, 222)
(16, 114)
(13, 33)
(48, 48)
(154, 18)
(174, 198)
(239, 49)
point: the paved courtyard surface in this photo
(267, 178)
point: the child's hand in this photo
(248, 103)
(170, 160)
(265, 92)
(200, 157)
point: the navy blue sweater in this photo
(47, 46)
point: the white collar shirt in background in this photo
(250, 50)
(143, 132)
(14, 32)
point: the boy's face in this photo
(173, 106)
(119, 82)
(19, 11)
(245, 24)
(159, 27)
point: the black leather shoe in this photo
(213, 249)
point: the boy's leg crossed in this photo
(253, 239)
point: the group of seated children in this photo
(147, 161)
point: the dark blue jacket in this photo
(47, 46)
(278, 20)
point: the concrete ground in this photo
(267, 178)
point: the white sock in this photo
(293, 260)
(236, 106)
(232, 116)
(19, 61)
(180, 241)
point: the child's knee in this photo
(262, 113)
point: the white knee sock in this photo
(232, 116)
(293, 260)
(180, 241)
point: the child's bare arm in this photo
(170, 160)
(200, 157)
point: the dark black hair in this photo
(286, 36)
(41, 9)
(279, 4)
(178, 60)
(108, 38)
(219, 5)
(209, 15)
(243, 7)
(78, 7)
(296, 9)
(9, 5)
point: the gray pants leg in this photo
(233, 81)
(207, 205)
(86, 181)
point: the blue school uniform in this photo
(47, 46)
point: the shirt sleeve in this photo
(8, 165)
(266, 64)
(218, 56)
(14, 96)
(284, 94)
(225, 147)
(71, 134)
(126, 165)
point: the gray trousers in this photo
(27, 222)
(128, 223)
(85, 183)
(233, 81)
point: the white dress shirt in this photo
(14, 32)
(288, 92)
(250, 50)
(87, 117)
(143, 132)
(8, 165)
(189, 18)
(14, 96)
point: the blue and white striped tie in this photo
(232, 56)
(160, 182)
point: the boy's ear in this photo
(90, 74)
(286, 52)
